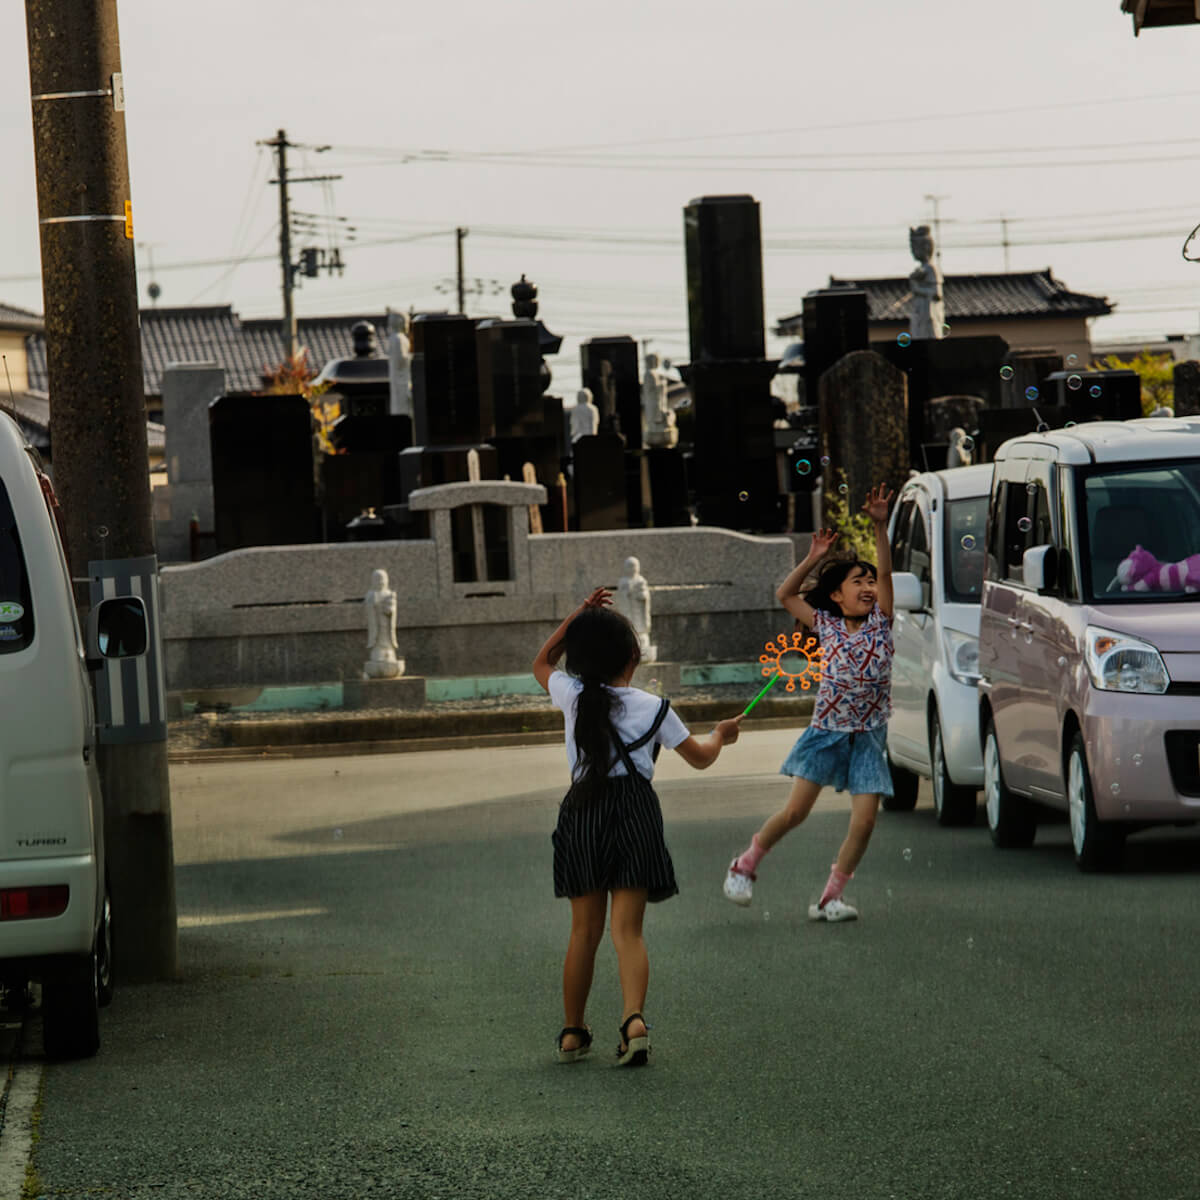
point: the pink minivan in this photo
(1089, 634)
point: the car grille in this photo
(1183, 759)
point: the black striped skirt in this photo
(613, 841)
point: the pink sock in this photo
(747, 864)
(835, 885)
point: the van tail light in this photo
(23, 904)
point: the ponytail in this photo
(600, 644)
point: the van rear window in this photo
(16, 603)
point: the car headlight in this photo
(962, 655)
(1120, 663)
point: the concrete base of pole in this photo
(140, 861)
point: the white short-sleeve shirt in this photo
(632, 718)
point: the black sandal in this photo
(585, 1044)
(633, 1052)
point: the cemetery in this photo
(488, 506)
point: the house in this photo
(1028, 309)
(1150, 14)
(246, 349)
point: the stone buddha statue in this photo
(926, 310)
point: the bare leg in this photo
(587, 928)
(628, 908)
(803, 796)
(862, 824)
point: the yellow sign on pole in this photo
(129, 219)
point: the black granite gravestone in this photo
(668, 487)
(1186, 376)
(609, 366)
(835, 323)
(509, 361)
(447, 404)
(263, 472)
(1096, 395)
(599, 482)
(723, 242)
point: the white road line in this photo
(16, 1136)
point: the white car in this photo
(937, 536)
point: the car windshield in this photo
(965, 524)
(1141, 531)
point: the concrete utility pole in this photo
(280, 144)
(459, 234)
(98, 411)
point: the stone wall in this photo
(294, 614)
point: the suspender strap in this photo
(623, 750)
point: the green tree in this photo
(1156, 372)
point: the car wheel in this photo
(904, 789)
(953, 803)
(1097, 845)
(71, 1009)
(104, 954)
(1010, 818)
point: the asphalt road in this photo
(370, 988)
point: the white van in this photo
(55, 915)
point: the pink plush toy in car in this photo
(1142, 572)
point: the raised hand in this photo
(878, 500)
(599, 598)
(822, 542)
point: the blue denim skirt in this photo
(847, 762)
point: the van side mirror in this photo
(906, 592)
(117, 628)
(1039, 568)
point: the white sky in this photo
(878, 103)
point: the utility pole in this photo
(937, 226)
(98, 411)
(280, 144)
(459, 234)
(1004, 239)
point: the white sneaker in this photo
(833, 910)
(738, 887)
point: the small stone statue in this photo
(585, 416)
(399, 354)
(633, 602)
(958, 455)
(382, 662)
(658, 421)
(926, 312)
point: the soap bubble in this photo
(337, 835)
(967, 444)
(1115, 788)
(907, 853)
(904, 339)
(1072, 359)
(686, 402)
(968, 541)
(824, 460)
(1069, 425)
(1031, 393)
(970, 943)
(1024, 524)
(102, 531)
(1095, 391)
(1031, 488)
(1137, 760)
(743, 495)
(803, 466)
(766, 916)
(1006, 372)
(945, 328)
(1074, 382)
(843, 488)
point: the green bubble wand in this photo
(770, 683)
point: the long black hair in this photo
(833, 575)
(600, 645)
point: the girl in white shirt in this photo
(609, 837)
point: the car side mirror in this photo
(906, 592)
(117, 628)
(1039, 568)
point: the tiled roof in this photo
(215, 333)
(12, 317)
(1006, 296)
(31, 410)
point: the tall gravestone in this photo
(609, 366)
(864, 427)
(835, 323)
(734, 468)
(1187, 389)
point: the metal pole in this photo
(459, 234)
(285, 248)
(98, 410)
